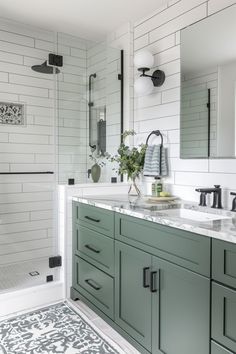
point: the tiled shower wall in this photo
(26, 201)
(194, 125)
(72, 106)
(160, 33)
(104, 60)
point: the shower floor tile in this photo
(25, 274)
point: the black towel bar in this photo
(27, 173)
(157, 133)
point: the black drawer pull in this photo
(146, 282)
(90, 248)
(95, 287)
(154, 282)
(91, 219)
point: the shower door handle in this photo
(90, 105)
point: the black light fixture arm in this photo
(158, 76)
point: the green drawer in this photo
(217, 349)
(97, 219)
(95, 285)
(94, 248)
(184, 248)
(224, 316)
(224, 262)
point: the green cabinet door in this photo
(132, 294)
(224, 316)
(180, 310)
(217, 349)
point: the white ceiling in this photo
(91, 19)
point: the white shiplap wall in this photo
(160, 33)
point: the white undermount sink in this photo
(193, 215)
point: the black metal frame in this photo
(27, 173)
(158, 77)
(209, 123)
(121, 78)
(90, 105)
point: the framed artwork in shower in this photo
(12, 113)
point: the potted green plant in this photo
(98, 164)
(130, 161)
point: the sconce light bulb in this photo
(143, 59)
(143, 86)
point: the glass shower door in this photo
(27, 166)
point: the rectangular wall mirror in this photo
(208, 87)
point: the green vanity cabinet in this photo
(94, 248)
(224, 316)
(180, 310)
(224, 262)
(132, 294)
(93, 257)
(166, 308)
(217, 349)
(100, 220)
(167, 291)
(94, 284)
(186, 249)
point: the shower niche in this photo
(97, 123)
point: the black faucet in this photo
(217, 203)
(234, 201)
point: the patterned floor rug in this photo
(54, 329)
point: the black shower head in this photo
(45, 69)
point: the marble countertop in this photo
(223, 229)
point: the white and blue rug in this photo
(54, 329)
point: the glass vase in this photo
(133, 189)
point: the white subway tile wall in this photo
(104, 60)
(72, 107)
(194, 124)
(160, 33)
(26, 201)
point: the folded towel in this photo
(155, 163)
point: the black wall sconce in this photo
(145, 84)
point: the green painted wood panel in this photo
(217, 349)
(95, 285)
(181, 311)
(132, 300)
(94, 248)
(75, 295)
(189, 250)
(224, 316)
(224, 262)
(97, 219)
